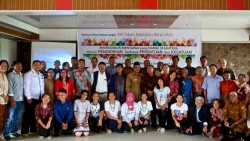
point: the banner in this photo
(140, 44)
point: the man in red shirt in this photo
(227, 86)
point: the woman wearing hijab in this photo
(130, 114)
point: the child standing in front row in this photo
(145, 111)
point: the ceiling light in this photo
(154, 24)
(102, 24)
(132, 24)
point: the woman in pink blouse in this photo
(243, 89)
(174, 88)
(216, 118)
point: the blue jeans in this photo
(13, 118)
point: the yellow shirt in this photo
(237, 111)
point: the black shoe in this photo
(17, 135)
(56, 134)
(178, 130)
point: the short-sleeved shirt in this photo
(179, 110)
(162, 95)
(95, 110)
(113, 109)
(212, 85)
(145, 108)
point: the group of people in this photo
(76, 100)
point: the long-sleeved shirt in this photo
(63, 111)
(33, 84)
(3, 88)
(133, 81)
(16, 85)
(185, 89)
(129, 115)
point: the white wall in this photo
(218, 35)
(8, 50)
(58, 34)
(208, 35)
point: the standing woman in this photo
(65, 82)
(243, 89)
(44, 115)
(49, 86)
(3, 93)
(161, 93)
(174, 89)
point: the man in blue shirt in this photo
(63, 110)
(211, 85)
(111, 69)
(15, 109)
(185, 86)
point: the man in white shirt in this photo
(33, 90)
(204, 68)
(94, 67)
(100, 81)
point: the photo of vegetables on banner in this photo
(140, 44)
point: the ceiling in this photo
(97, 20)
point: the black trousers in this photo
(29, 119)
(93, 124)
(153, 112)
(58, 126)
(226, 131)
(162, 116)
(44, 132)
(127, 128)
(142, 125)
(197, 128)
(183, 124)
(170, 121)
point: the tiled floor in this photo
(151, 135)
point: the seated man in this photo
(63, 110)
(197, 118)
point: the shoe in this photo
(159, 129)
(49, 137)
(205, 134)
(109, 131)
(25, 135)
(132, 131)
(7, 138)
(162, 130)
(40, 137)
(16, 135)
(56, 134)
(144, 129)
(178, 130)
(140, 131)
